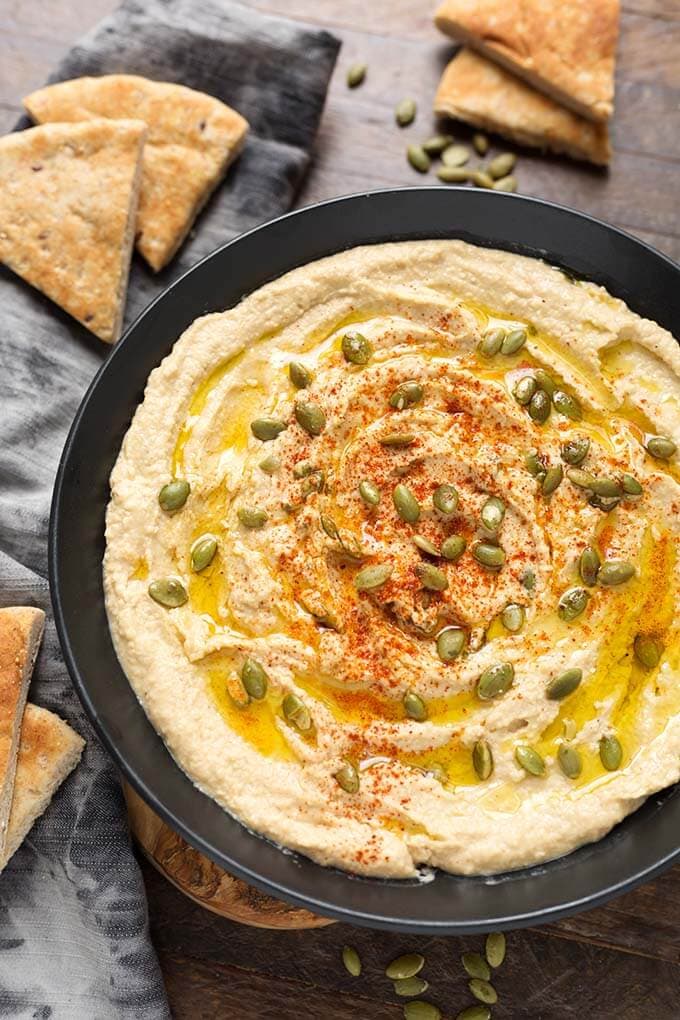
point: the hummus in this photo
(416, 600)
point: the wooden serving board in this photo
(205, 882)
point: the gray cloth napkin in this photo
(73, 921)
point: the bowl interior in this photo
(638, 848)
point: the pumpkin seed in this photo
(450, 643)
(514, 341)
(303, 469)
(355, 75)
(661, 447)
(530, 760)
(513, 617)
(481, 179)
(445, 499)
(405, 987)
(581, 479)
(455, 155)
(350, 544)
(252, 516)
(534, 464)
(168, 592)
(297, 713)
(492, 514)
(271, 464)
(567, 405)
(431, 577)
(299, 375)
(369, 493)
(508, 183)
(313, 604)
(310, 417)
(406, 966)
(647, 651)
(552, 480)
(174, 495)
(435, 145)
(575, 451)
(425, 545)
(613, 572)
(502, 165)
(314, 483)
(483, 991)
(495, 948)
(491, 342)
(406, 504)
(563, 685)
(267, 429)
(397, 440)
(254, 679)
(478, 1012)
(351, 961)
(572, 603)
(453, 547)
(589, 565)
(405, 112)
(418, 1009)
(630, 485)
(524, 389)
(528, 579)
(418, 158)
(453, 174)
(203, 552)
(600, 503)
(347, 778)
(607, 487)
(481, 143)
(356, 348)
(545, 381)
(482, 762)
(539, 406)
(406, 394)
(570, 761)
(611, 752)
(414, 706)
(490, 556)
(476, 966)
(495, 680)
(373, 577)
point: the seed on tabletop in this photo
(405, 112)
(481, 143)
(356, 75)
(418, 158)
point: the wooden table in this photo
(622, 960)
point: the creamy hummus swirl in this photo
(437, 624)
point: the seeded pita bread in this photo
(482, 93)
(192, 139)
(565, 50)
(68, 198)
(48, 752)
(21, 629)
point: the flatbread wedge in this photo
(192, 140)
(21, 629)
(48, 752)
(479, 92)
(566, 50)
(68, 200)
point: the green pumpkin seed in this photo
(313, 604)
(513, 617)
(647, 651)
(570, 761)
(314, 483)
(455, 155)
(508, 183)
(453, 174)
(528, 580)
(524, 389)
(490, 556)
(481, 179)
(369, 493)
(495, 948)
(347, 778)
(534, 464)
(397, 440)
(445, 499)
(421, 1010)
(405, 112)
(254, 679)
(631, 486)
(203, 552)
(407, 987)
(491, 342)
(435, 145)
(296, 713)
(310, 417)
(600, 503)
(552, 480)
(431, 577)
(495, 680)
(271, 464)
(351, 961)
(252, 516)
(530, 760)
(611, 753)
(453, 547)
(476, 966)
(502, 165)
(174, 495)
(482, 762)
(483, 991)
(450, 643)
(539, 406)
(405, 967)
(481, 143)
(373, 577)
(609, 488)
(356, 348)
(563, 685)
(661, 447)
(406, 395)
(492, 514)
(414, 706)
(613, 572)
(567, 405)
(581, 479)
(299, 375)
(589, 565)
(575, 451)
(355, 75)
(545, 381)
(425, 545)
(267, 429)
(418, 158)
(303, 469)
(478, 1012)
(406, 504)
(168, 592)
(572, 603)
(514, 341)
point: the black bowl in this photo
(637, 849)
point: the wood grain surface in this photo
(623, 960)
